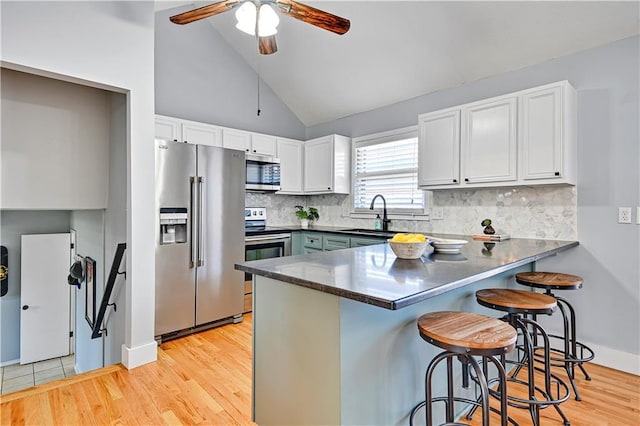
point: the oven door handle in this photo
(271, 237)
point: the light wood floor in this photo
(206, 379)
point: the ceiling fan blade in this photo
(267, 45)
(203, 12)
(313, 16)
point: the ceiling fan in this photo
(257, 17)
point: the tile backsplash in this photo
(545, 212)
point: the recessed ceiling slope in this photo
(399, 50)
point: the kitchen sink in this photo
(371, 232)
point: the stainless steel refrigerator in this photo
(199, 235)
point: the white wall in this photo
(89, 227)
(115, 227)
(55, 141)
(107, 45)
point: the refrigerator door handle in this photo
(192, 181)
(200, 261)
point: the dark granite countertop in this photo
(374, 275)
(332, 229)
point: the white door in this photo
(318, 165)
(489, 141)
(44, 297)
(439, 148)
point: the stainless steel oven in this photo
(260, 242)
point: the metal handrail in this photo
(115, 266)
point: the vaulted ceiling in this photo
(397, 50)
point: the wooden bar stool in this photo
(517, 304)
(463, 335)
(572, 352)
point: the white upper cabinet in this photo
(488, 143)
(236, 139)
(327, 165)
(167, 128)
(439, 151)
(547, 134)
(175, 129)
(202, 134)
(524, 138)
(263, 145)
(291, 155)
(248, 142)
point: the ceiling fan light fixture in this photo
(246, 16)
(268, 21)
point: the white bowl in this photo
(448, 246)
(407, 250)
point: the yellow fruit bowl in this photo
(408, 246)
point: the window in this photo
(387, 164)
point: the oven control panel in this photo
(255, 213)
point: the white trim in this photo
(388, 136)
(615, 359)
(140, 355)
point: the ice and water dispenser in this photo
(173, 225)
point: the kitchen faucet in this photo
(385, 220)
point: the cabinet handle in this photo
(557, 173)
(328, 187)
(25, 307)
(255, 150)
(466, 179)
(455, 181)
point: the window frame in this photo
(379, 138)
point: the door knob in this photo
(25, 307)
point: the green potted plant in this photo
(306, 216)
(488, 229)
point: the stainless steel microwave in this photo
(263, 173)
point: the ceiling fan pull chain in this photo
(258, 114)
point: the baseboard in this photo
(613, 358)
(139, 355)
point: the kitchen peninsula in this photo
(335, 339)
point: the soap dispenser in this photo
(378, 223)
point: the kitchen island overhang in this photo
(335, 339)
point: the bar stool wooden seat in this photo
(464, 335)
(572, 353)
(518, 304)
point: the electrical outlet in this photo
(624, 214)
(437, 213)
(638, 215)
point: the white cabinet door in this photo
(489, 141)
(541, 134)
(236, 139)
(318, 165)
(263, 145)
(201, 134)
(439, 148)
(291, 155)
(167, 128)
(44, 296)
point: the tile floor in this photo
(16, 377)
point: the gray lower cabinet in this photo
(313, 242)
(335, 242)
(360, 241)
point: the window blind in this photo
(389, 167)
